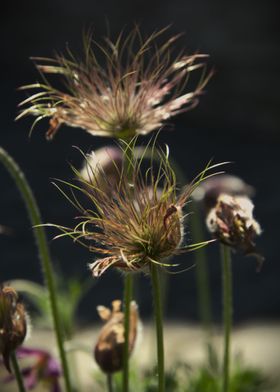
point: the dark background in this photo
(237, 120)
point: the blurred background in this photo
(237, 120)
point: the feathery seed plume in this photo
(120, 89)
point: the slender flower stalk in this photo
(128, 279)
(110, 382)
(202, 276)
(39, 233)
(159, 326)
(128, 290)
(17, 373)
(119, 89)
(227, 313)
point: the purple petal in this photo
(30, 379)
(23, 352)
(53, 368)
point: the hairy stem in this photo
(44, 254)
(159, 326)
(128, 281)
(227, 312)
(17, 373)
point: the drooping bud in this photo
(210, 189)
(105, 162)
(13, 323)
(232, 222)
(109, 349)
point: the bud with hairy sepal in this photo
(232, 222)
(13, 323)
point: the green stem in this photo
(39, 233)
(110, 382)
(202, 285)
(159, 326)
(227, 312)
(128, 287)
(128, 279)
(17, 372)
(202, 276)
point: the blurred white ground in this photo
(259, 345)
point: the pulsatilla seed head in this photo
(137, 223)
(232, 222)
(132, 89)
(109, 348)
(13, 323)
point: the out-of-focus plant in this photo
(182, 377)
(43, 371)
(44, 254)
(243, 378)
(109, 348)
(70, 291)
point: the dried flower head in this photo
(132, 89)
(135, 225)
(13, 323)
(232, 222)
(109, 348)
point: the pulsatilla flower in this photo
(232, 222)
(42, 369)
(131, 86)
(13, 323)
(136, 224)
(109, 349)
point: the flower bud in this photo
(13, 323)
(232, 222)
(210, 189)
(106, 161)
(109, 349)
